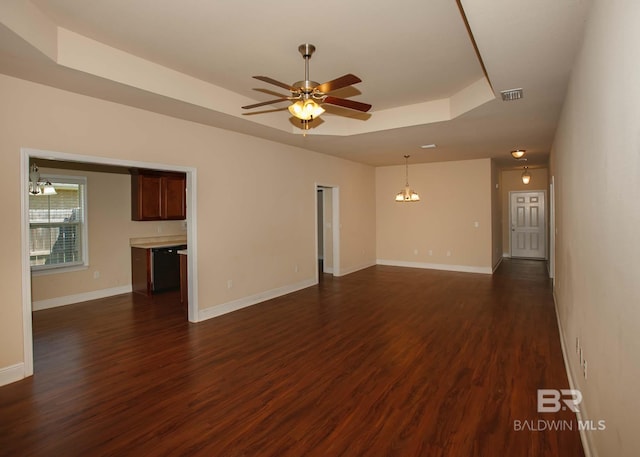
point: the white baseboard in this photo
(584, 434)
(495, 267)
(77, 298)
(224, 308)
(506, 255)
(347, 271)
(11, 374)
(436, 266)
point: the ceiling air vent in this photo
(511, 95)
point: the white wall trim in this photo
(78, 298)
(495, 267)
(27, 329)
(11, 374)
(585, 437)
(234, 305)
(506, 255)
(350, 270)
(435, 266)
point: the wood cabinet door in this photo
(145, 197)
(174, 201)
(150, 194)
(141, 270)
(158, 196)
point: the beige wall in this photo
(454, 195)
(596, 168)
(110, 227)
(511, 181)
(256, 198)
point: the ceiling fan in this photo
(308, 96)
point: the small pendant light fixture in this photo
(526, 176)
(406, 194)
(36, 185)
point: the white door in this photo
(528, 227)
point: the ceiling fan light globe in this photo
(306, 109)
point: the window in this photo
(57, 226)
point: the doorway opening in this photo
(75, 160)
(327, 231)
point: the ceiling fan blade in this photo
(351, 104)
(255, 105)
(266, 79)
(338, 83)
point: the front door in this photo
(528, 226)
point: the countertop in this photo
(157, 242)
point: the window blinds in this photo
(56, 226)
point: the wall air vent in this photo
(511, 95)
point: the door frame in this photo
(552, 229)
(546, 222)
(335, 227)
(28, 153)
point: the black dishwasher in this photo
(165, 271)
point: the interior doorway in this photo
(327, 235)
(528, 224)
(26, 156)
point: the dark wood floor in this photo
(383, 362)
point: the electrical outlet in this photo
(415, 252)
(584, 369)
(430, 252)
(448, 253)
(577, 344)
(229, 283)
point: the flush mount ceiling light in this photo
(407, 194)
(518, 153)
(36, 185)
(526, 176)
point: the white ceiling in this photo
(417, 61)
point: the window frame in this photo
(83, 264)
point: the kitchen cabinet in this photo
(155, 269)
(158, 195)
(141, 271)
